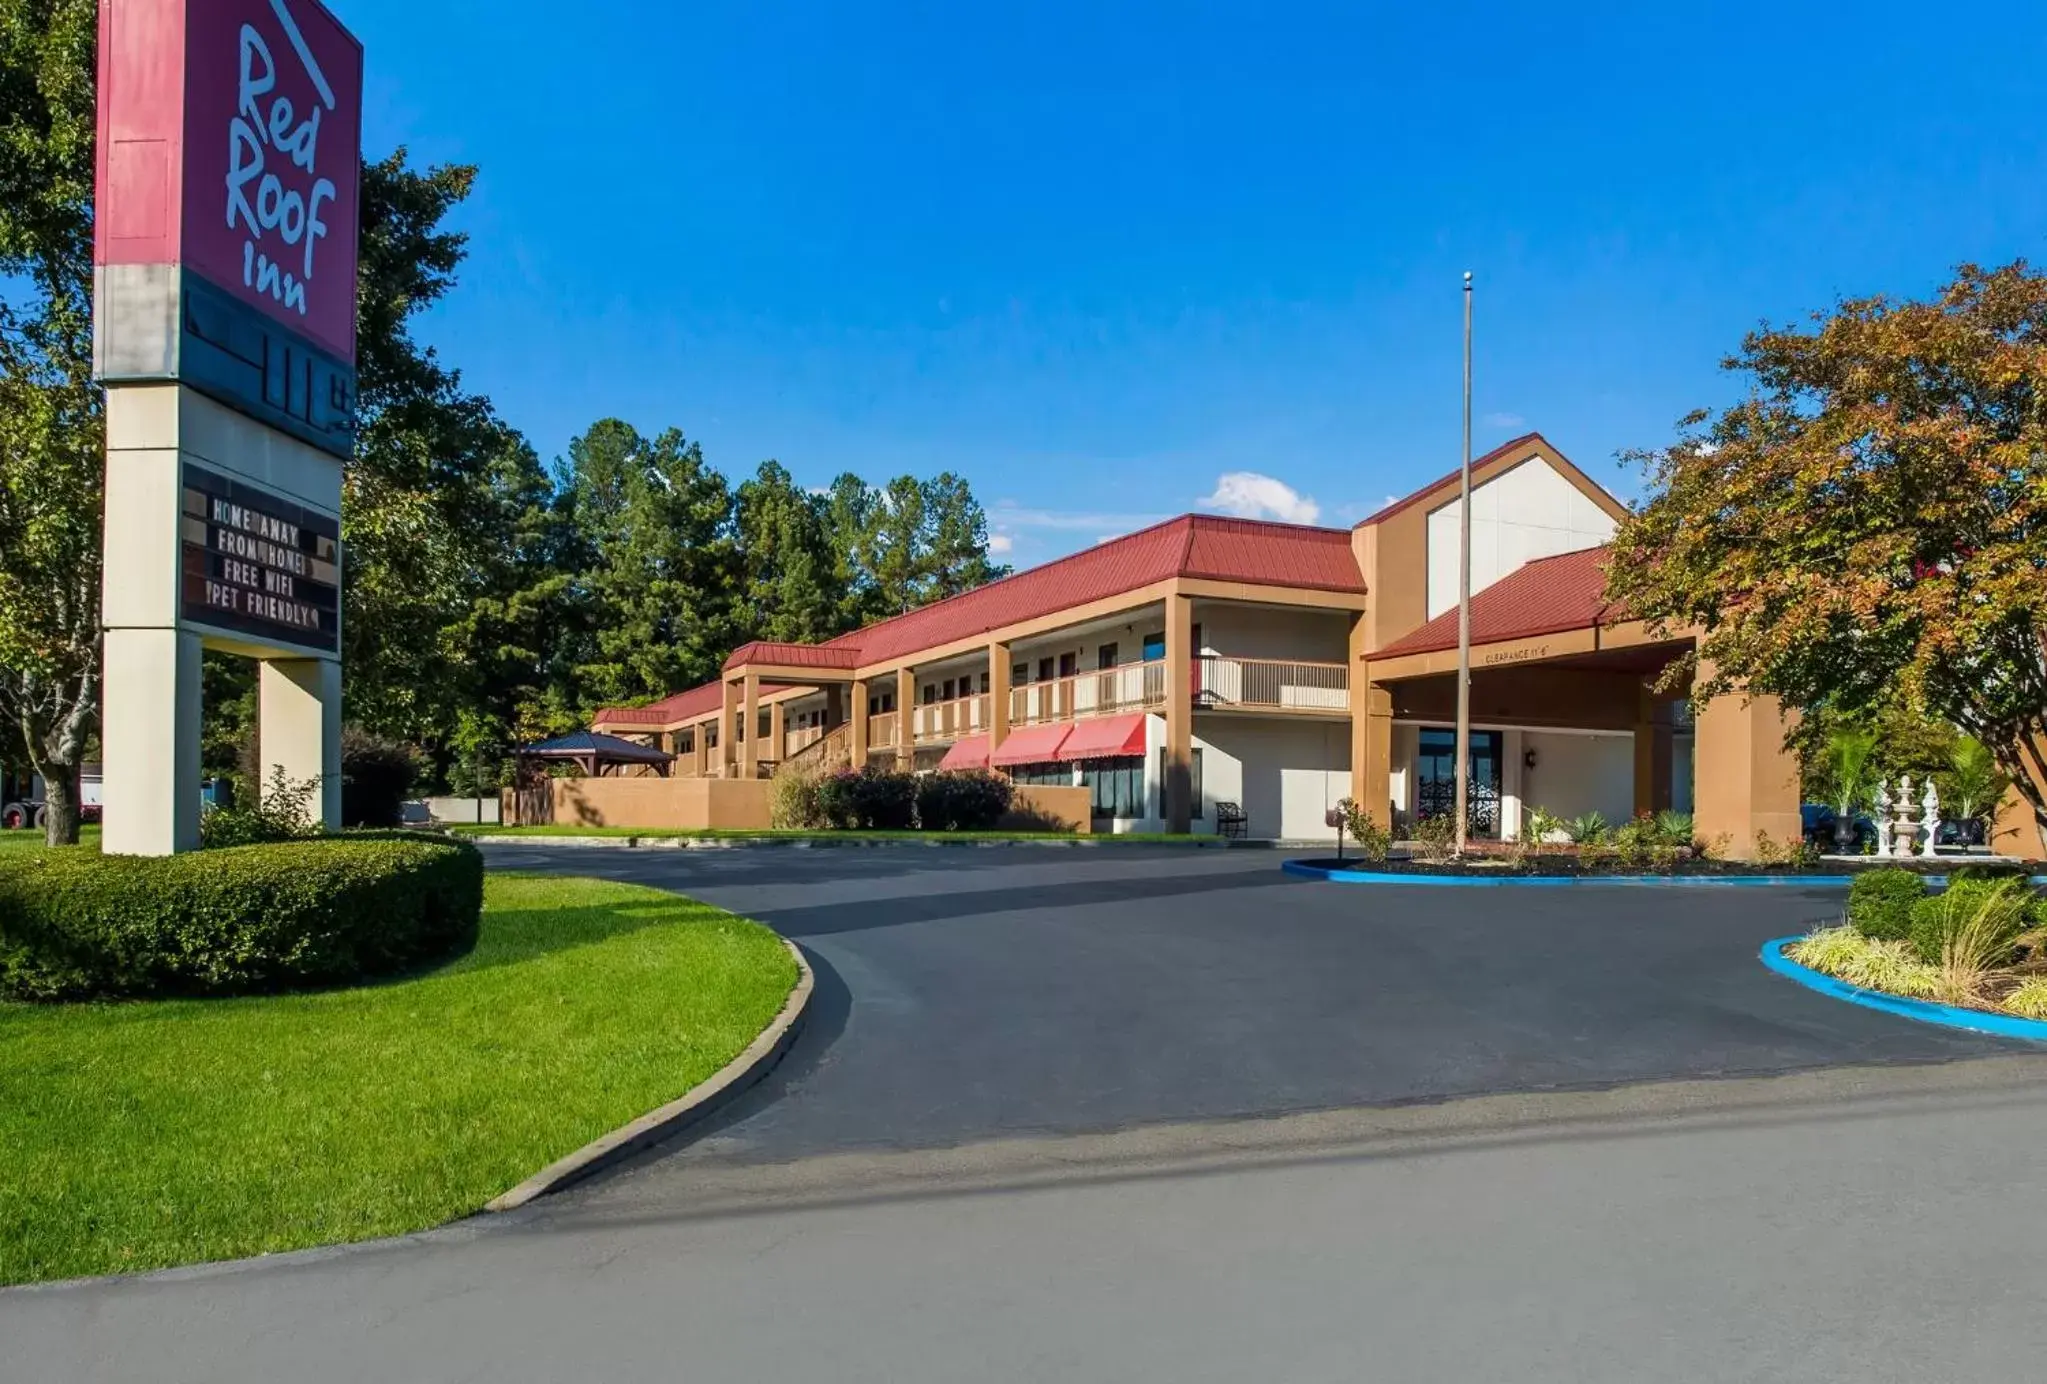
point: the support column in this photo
(728, 730)
(149, 739)
(858, 734)
(1179, 767)
(906, 707)
(1371, 749)
(778, 732)
(998, 696)
(298, 714)
(1745, 781)
(700, 749)
(1652, 754)
(750, 718)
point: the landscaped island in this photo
(1981, 943)
(142, 1133)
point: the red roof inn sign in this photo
(229, 143)
(224, 331)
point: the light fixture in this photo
(1528, 758)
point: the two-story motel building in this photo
(1277, 668)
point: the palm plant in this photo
(1972, 782)
(1850, 752)
(1674, 828)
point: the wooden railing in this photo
(1267, 684)
(937, 723)
(1131, 687)
(796, 741)
(881, 730)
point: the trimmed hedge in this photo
(869, 799)
(1880, 903)
(962, 800)
(76, 924)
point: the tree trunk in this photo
(60, 800)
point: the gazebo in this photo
(594, 753)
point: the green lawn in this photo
(138, 1135)
(796, 834)
(29, 839)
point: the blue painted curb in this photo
(1325, 872)
(1925, 1011)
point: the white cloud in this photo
(1001, 544)
(1249, 495)
(1503, 421)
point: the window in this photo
(686, 741)
(1105, 656)
(1069, 664)
(1044, 670)
(1019, 674)
(1154, 647)
(930, 693)
(950, 691)
(1056, 775)
(1116, 785)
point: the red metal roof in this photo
(970, 753)
(1415, 497)
(702, 700)
(1106, 737)
(1032, 745)
(829, 655)
(1545, 596)
(1208, 546)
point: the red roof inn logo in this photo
(274, 93)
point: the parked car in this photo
(31, 809)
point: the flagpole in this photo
(1463, 751)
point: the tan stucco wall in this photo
(2015, 831)
(1747, 782)
(1043, 806)
(657, 804)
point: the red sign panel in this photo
(230, 139)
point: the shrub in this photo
(1880, 903)
(76, 924)
(1436, 837)
(1539, 824)
(377, 776)
(1373, 840)
(967, 800)
(2029, 1000)
(793, 801)
(284, 812)
(1674, 828)
(868, 799)
(1871, 963)
(1968, 930)
(1588, 830)
(1633, 841)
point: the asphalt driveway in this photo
(970, 994)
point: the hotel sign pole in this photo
(1463, 752)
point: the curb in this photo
(704, 1098)
(1924, 1011)
(1323, 872)
(767, 843)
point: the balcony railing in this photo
(881, 730)
(1265, 684)
(938, 723)
(799, 739)
(1131, 687)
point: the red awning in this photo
(970, 753)
(1107, 737)
(1031, 745)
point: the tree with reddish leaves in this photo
(1869, 526)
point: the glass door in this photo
(1436, 779)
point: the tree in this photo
(956, 541)
(786, 561)
(1869, 526)
(660, 573)
(52, 429)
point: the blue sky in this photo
(1098, 257)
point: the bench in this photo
(1230, 821)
